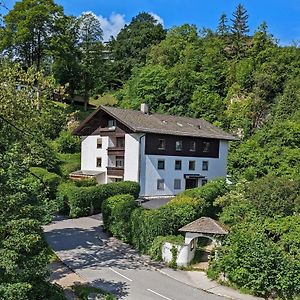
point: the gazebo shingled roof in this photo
(205, 225)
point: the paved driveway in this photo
(111, 265)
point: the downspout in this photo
(140, 158)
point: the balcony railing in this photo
(117, 151)
(115, 171)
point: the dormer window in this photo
(111, 124)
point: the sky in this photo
(282, 16)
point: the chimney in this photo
(144, 108)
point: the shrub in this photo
(116, 213)
(69, 163)
(255, 263)
(50, 180)
(85, 182)
(68, 143)
(155, 250)
(207, 195)
(84, 201)
(146, 225)
(63, 191)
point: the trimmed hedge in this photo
(84, 201)
(116, 212)
(85, 182)
(51, 180)
(146, 225)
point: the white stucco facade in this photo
(143, 168)
(217, 167)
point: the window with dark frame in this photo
(205, 165)
(161, 144)
(177, 184)
(161, 164)
(206, 146)
(204, 182)
(160, 184)
(120, 162)
(177, 164)
(99, 143)
(111, 123)
(99, 162)
(178, 146)
(192, 146)
(192, 165)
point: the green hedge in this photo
(116, 212)
(85, 182)
(84, 201)
(146, 225)
(51, 180)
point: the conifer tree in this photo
(239, 30)
(223, 28)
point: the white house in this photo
(165, 154)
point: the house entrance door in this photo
(191, 183)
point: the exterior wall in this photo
(184, 254)
(150, 174)
(132, 157)
(89, 154)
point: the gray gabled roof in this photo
(137, 121)
(205, 225)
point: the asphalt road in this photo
(111, 265)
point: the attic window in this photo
(199, 126)
(111, 123)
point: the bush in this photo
(255, 263)
(146, 225)
(84, 201)
(69, 163)
(50, 180)
(155, 250)
(86, 182)
(207, 195)
(68, 143)
(116, 213)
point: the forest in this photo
(55, 69)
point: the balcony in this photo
(115, 171)
(116, 151)
(111, 131)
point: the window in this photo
(206, 146)
(192, 146)
(161, 144)
(119, 162)
(192, 165)
(112, 123)
(177, 184)
(160, 184)
(99, 143)
(178, 145)
(161, 164)
(205, 165)
(177, 164)
(204, 182)
(99, 162)
(120, 142)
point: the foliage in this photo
(69, 163)
(83, 292)
(68, 143)
(116, 213)
(50, 180)
(155, 250)
(255, 263)
(83, 201)
(85, 182)
(133, 43)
